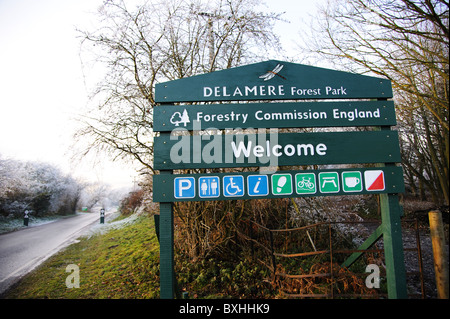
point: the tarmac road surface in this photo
(21, 251)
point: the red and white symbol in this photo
(374, 180)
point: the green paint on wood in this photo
(187, 187)
(273, 115)
(266, 81)
(253, 150)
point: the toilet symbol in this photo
(204, 187)
(209, 187)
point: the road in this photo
(21, 251)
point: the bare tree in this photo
(406, 41)
(156, 42)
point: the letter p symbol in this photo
(184, 187)
(185, 184)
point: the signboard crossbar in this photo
(280, 184)
(279, 115)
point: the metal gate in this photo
(336, 267)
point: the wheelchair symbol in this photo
(233, 185)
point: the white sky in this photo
(42, 85)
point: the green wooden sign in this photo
(254, 185)
(270, 115)
(247, 150)
(272, 80)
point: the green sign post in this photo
(184, 144)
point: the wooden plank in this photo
(263, 81)
(273, 115)
(168, 185)
(372, 239)
(256, 150)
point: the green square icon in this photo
(352, 181)
(282, 184)
(329, 182)
(305, 183)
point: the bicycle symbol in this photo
(306, 183)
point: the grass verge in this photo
(122, 263)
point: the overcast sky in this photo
(42, 86)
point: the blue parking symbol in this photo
(233, 186)
(258, 185)
(208, 187)
(184, 187)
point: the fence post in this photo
(439, 253)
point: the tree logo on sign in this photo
(178, 118)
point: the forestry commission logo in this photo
(178, 118)
(270, 74)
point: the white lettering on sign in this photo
(271, 91)
(239, 117)
(256, 90)
(183, 118)
(277, 150)
(354, 114)
(333, 91)
(296, 91)
(309, 115)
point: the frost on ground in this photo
(107, 226)
(346, 213)
(13, 224)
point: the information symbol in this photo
(258, 185)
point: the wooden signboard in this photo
(273, 80)
(186, 142)
(284, 149)
(273, 115)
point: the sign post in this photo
(102, 216)
(243, 144)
